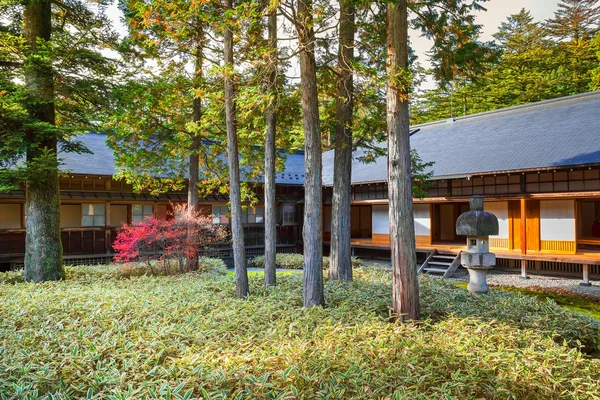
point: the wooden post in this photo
(523, 227)
(524, 269)
(107, 243)
(23, 215)
(586, 276)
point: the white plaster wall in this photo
(557, 219)
(422, 219)
(381, 219)
(500, 210)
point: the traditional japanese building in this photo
(538, 166)
(94, 205)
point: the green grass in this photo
(101, 336)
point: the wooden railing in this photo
(558, 246)
(12, 242)
(98, 240)
(87, 240)
(499, 243)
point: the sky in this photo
(497, 12)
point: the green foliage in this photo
(155, 337)
(72, 272)
(538, 61)
(178, 52)
(595, 84)
(295, 261)
(81, 77)
(212, 265)
(166, 267)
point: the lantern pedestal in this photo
(477, 225)
(478, 281)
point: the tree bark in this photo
(405, 286)
(43, 249)
(237, 231)
(341, 256)
(271, 119)
(194, 165)
(311, 234)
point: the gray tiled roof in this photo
(102, 161)
(553, 133)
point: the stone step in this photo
(445, 264)
(441, 271)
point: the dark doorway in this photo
(444, 223)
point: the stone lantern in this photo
(477, 225)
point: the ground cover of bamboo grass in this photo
(295, 261)
(187, 337)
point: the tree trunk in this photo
(43, 248)
(311, 233)
(271, 119)
(405, 286)
(341, 264)
(194, 167)
(237, 231)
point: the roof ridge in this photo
(512, 108)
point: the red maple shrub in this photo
(163, 245)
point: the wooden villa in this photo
(94, 205)
(537, 165)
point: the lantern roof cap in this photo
(477, 222)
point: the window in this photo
(93, 214)
(253, 215)
(289, 214)
(563, 181)
(140, 211)
(368, 192)
(220, 215)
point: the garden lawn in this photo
(98, 335)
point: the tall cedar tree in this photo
(575, 20)
(53, 81)
(360, 85)
(302, 18)
(405, 287)
(237, 231)
(270, 153)
(595, 84)
(172, 34)
(340, 264)
(574, 26)
(43, 248)
(527, 71)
